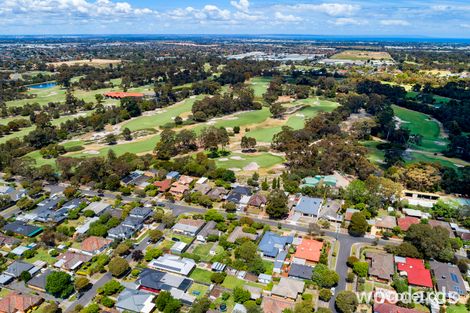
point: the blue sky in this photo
(445, 19)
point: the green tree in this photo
(361, 269)
(81, 283)
(276, 206)
(25, 276)
(241, 295)
(59, 284)
(432, 242)
(358, 226)
(346, 302)
(118, 266)
(324, 277)
(126, 133)
(325, 295)
(201, 305)
(162, 300)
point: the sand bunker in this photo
(92, 152)
(235, 169)
(223, 159)
(237, 157)
(300, 115)
(253, 166)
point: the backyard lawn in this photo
(232, 282)
(43, 255)
(198, 290)
(201, 275)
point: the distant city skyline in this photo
(436, 19)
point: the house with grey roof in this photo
(98, 207)
(208, 229)
(288, 288)
(132, 222)
(135, 301)
(141, 212)
(300, 271)
(120, 232)
(381, 265)
(448, 278)
(308, 206)
(39, 282)
(272, 244)
(17, 267)
(155, 281)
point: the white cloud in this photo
(348, 21)
(331, 9)
(394, 23)
(242, 5)
(286, 18)
(209, 12)
(248, 17)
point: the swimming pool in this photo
(43, 85)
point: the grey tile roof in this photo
(301, 271)
(307, 205)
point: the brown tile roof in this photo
(94, 243)
(16, 302)
(388, 222)
(381, 265)
(72, 259)
(178, 188)
(274, 305)
(257, 200)
(185, 180)
(391, 308)
(238, 233)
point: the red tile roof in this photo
(405, 222)
(94, 243)
(391, 308)
(163, 185)
(309, 250)
(417, 274)
(16, 302)
(119, 94)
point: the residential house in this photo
(70, 260)
(255, 292)
(174, 264)
(271, 244)
(309, 250)
(443, 224)
(405, 222)
(386, 223)
(349, 213)
(415, 271)
(188, 227)
(218, 267)
(15, 195)
(392, 308)
(288, 288)
(163, 186)
(203, 189)
(265, 278)
(98, 207)
(21, 228)
(185, 180)
(156, 281)
(17, 267)
(172, 175)
(416, 213)
(178, 247)
(381, 266)
(51, 203)
(217, 193)
(423, 199)
(178, 190)
(300, 271)
(329, 210)
(120, 232)
(276, 305)
(202, 181)
(16, 302)
(307, 206)
(208, 229)
(137, 178)
(257, 200)
(235, 195)
(239, 233)
(135, 301)
(94, 245)
(134, 223)
(239, 308)
(329, 180)
(448, 278)
(8, 242)
(39, 282)
(141, 212)
(81, 230)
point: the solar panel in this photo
(454, 277)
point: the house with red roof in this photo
(18, 303)
(391, 308)
(405, 222)
(163, 185)
(309, 250)
(415, 270)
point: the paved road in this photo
(88, 296)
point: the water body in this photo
(43, 85)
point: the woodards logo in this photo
(409, 297)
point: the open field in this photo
(265, 133)
(439, 100)
(419, 123)
(40, 161)
(362, 55)
(92, 62)
(375, 155)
